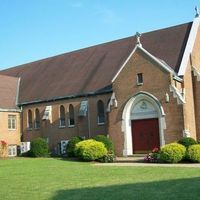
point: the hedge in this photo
(90, 150)
(172, 153)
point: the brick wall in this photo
(188, 107)
(54, 133)
(9, 136)
(156, 82)
(195, 61)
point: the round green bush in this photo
(39, 148)
(187, 141)
(108, 158)
(193, 153)
(106, 141)
(70, 149)
(172, 153)
(90, 150)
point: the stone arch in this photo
(131, 112)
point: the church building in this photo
(141, 91)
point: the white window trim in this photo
(62, 126)
(28, 127)
(36, 128)
(71, 125)
(13, 129)
(100, 123)
(140, 83)
(34, 122)
(13, 150)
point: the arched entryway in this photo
(143, 124)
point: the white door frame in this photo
(127, 117)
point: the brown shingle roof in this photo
(91, 69)
(8, 92)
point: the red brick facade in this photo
(86, 126)
(156, 82)
(135, 81)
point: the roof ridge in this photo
(79, 71)
(93, 46)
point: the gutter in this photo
(10, 110)
(67, 97)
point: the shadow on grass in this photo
(183, 189)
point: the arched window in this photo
(37, 118)
(71, 115)
(30, 119)
(100, 112)
(62, 116)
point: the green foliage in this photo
(108, 158)
(193, 153)
(90, 150)
(106, 141)
(70, 149)
(172, 153)
(39, 148)
(153, 157)
(187, 141)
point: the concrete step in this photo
(130, 159)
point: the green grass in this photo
(56, 179)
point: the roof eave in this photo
(189, 46)
(139, 46)
(66, 97)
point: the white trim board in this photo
(159, 62)
(126, 119)
(189, 46)
(9, 110)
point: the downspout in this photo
(21, 124)
(89, 130)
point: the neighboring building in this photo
(10, 130)
(141, 91)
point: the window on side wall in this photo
(30, 120)
(100, 112)
(62, 116)
(12, 122)
(71, 120)
(37, 118)
(139, 79)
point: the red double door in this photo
(145, 135)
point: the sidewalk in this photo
(139, 162)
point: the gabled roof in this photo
(8, 92)
(92, 69)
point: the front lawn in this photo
(57, 179)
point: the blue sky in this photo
(35, 29)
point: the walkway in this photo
(139, 162)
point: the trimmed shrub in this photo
(106, 141)
(70, 149)
(108, 158)
(187, 141)
(172, 153)
(39, 148)
(90, 150)
(193, 153)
